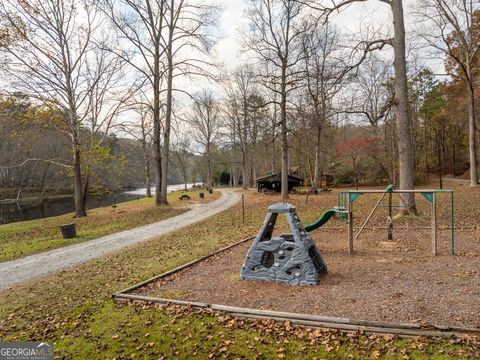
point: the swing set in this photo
(346, 200)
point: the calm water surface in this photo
(19, 212)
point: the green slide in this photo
(325, 217)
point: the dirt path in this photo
(24, 269)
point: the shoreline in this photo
(9, 196)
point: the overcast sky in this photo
(374, 13)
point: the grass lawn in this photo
(30, 237)
(74, 308)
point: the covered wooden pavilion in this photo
(273, 182)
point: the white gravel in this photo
(38, 265)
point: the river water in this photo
(14, 212)
(143, 191)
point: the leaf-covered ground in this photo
(74, 308)
(30, 237)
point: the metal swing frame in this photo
(347, 198)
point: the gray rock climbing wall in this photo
(289, 258)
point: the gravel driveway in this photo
(38, 265)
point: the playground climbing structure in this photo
(295, 259)
(289, 258)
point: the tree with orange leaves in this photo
(355, 150)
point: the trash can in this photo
(68, 231)
(202, 195)
(210, 191)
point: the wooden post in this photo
(243, 208)
(350, 225)
(434, 224)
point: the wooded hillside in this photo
(148, 103)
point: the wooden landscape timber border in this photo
(306, 320)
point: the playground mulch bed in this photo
(395, 281)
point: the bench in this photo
(184, 197)
(266, 191)
(303, 191)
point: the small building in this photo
(328, 179)
(273, 182)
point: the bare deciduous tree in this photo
(107, 99)
(187, 40)
(142, 130)
(205, 122)
(277, 27)
(325, 71)
(401, 101)
(453, 29)
(142, 24)
(372, 95)
(48, 57)
(182, 154)
(236, 110)
(163, 35)
(372, 99)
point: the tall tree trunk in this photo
(274, 125)
(305, 144)
(77, 182)
(454, 158)
(86, 185)
(309, 171)
(209, 167)
(80, 209)
(472, 140)
(157, 151)
(44, 180)
(233, 170)
(318, 153)
(425, 144)
(393, 151)
(405, 146)
(168, 114)
(244, 169)
(254, 155)
(253, 176)
(439, 159)
(148, 180)
(157, 156)
(283, 120)
(185, 177)
(243, 141)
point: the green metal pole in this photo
(434, 224)
(390, 218)
(453, 222)
(350, 224)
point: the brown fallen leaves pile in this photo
(331, 341)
